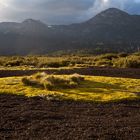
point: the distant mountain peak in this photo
(33, 22)
(113, 12)
(110, 16)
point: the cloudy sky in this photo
(61, 11)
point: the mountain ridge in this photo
(111, 26)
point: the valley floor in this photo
(23, 118)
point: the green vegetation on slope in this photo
(91, 89)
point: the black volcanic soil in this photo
(36, 118)
(96, 71)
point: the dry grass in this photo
(53, 81)
(37, 62)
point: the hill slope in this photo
(112, 30)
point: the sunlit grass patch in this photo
(105, 89)
(93, 88)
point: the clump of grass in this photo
(104, 62)
(128, 62)
(30, 82)
(77, 78)
(14, 63)
(39, 75)
(53, 81)
(108, 56)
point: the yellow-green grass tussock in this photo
(93, 88)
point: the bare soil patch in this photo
(23, 118)
(95, 71)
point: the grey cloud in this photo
(61, 11)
